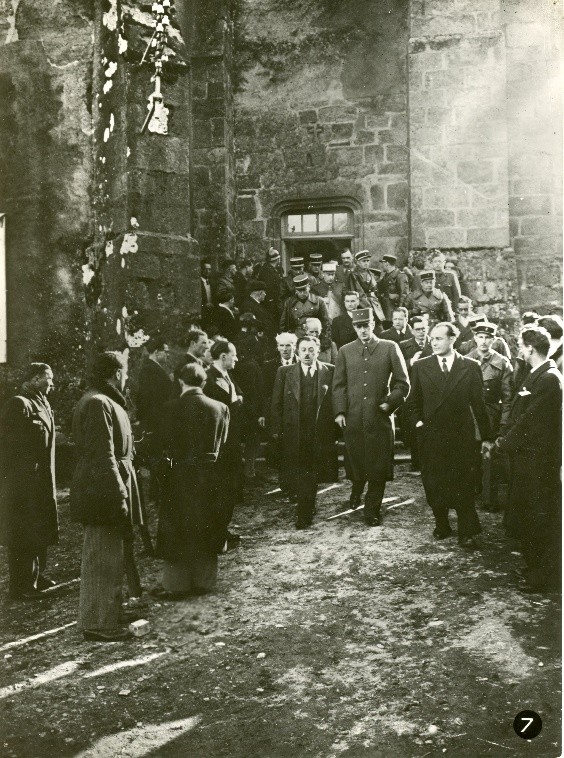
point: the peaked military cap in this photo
(316, 258)
(330, 267)
(273, 254)
(375, 271)
(296, 261)
(425, 276)
(389, 259)
(484, 327)
(300, 281)
(362, 255)
(361, 316)
(476, 318)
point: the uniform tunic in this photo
(436, 304)
(497, 374)
(393, 289)
(295, 309)
(365, 377)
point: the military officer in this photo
(314, 265)
(497, 374)
(329, 290)
(296, 268)
(301, 304)
(429, 300)
(445, 281)
(392, 287)
(364, 281)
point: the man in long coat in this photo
(534, 444)
(342, 329)
(369, 384)
(393, 287)
(269, 273)
(302, 421)
(191, 530)
(28, 506)
(447, 401)
(418, 346)
(301, 304)
(104, 496)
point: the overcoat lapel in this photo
(456, 373)
(42, 412)
(294, 380)
(322, 384)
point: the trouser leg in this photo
(22, 569)
(252, 445)
(434, 494)
(356, 491)
(101, 577)
(132, 574)
(373, 499)
(464, 502)
(307, 491)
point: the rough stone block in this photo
(308, 117)
(373, 154)
(202, 134)
(488, 237)
(397, 195)
(377, 195)
(246, 208)
(348, 156)
(341, 131)
(144, 266)
(531, 205)
(332, 113)
(443, 197)
(395, 153)
(438, 116)
(393, 169)
(434, 218)
(364, 137)
(481, 217)
(525, 35)
(475, 172)
(445, 237)
(538, 225)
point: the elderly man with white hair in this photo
(328, 350)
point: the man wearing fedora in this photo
(497, 373)
(369, 384)
(269, 273)
(429, 300)
(392, 287)
(303, 303)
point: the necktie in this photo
(445, 367)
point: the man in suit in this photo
(399, 330)
(224, 282)
(429, 301)
(418, 346)
(303, 303)
(392, 288)
(342, 329)
(221, 318)
(104, 497)
(497, 374)
(191, 531)
(553, 325)
(205, 283)
(345, 268)
(219, 386)
(28, 505)
(241, 281)
(447, 400)
(370, 383)
(329, 290)
(269, 273)
(254, 303)
(533, 442)
(462, 320)
(302, 421)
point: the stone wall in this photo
(320, 113)
(533, 33)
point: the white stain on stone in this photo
(136, 339)
(124, 312)
(111, 69)
(118, 326)
(109, 248)
(129, 243)
(134, 223)
(122, 44)
(106, 134)
(110, 18)
(107, 86)
(112, 122)
(87, 274)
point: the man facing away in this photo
(369, 384)
(302, 422)
(447, 401)
(104, 496)
(28, 505)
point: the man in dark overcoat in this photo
(253, 303)
(399, 331)
(392, 288)
(302, 421)
(301, 305)
(447, 400)
(28, 505)
(342, 329)
(269, 273)
(191, 528)
(418, 346)
(533, 442)
(221, 387)
(370, 383)
(104, 496)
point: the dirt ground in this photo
(334, 641)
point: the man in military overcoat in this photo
(303, 304)
(369, 384)
(429, 300)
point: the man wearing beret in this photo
(497, 373)
(392, 287)
(369, 384)
(329, 290)
(303, 303)
(429, 300)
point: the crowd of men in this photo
(297, 361)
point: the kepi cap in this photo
(389, 259)
(476, 318)
(362, 255)
(300, 281)
(484, 327)
(296, 261)
(375, 271)
(273, 254)
(329, 267)
(426, 276)
(361, 316)
(316, 258)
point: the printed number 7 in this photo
(529, 722)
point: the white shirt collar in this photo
(308, 369)
(227, 308)
(449, 360)
(532, 371)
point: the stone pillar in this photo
(211, 155)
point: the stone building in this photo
(392, 125)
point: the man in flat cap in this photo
(269, 272)
(429, 300)
(497, 373)
(329, 290)
(393, 287)
(303, 303)
(370, 383)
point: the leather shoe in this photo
(373, 521)
(44, 583)
(468, 543)
(116, 635)
(442, 534)
(303, 524)
(31, 594)
(354, 502)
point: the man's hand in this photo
(384, 407)
(274, 436)
(262, 422)
(486, 447)
(340, 420)
(418, 425)
(416, 357)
